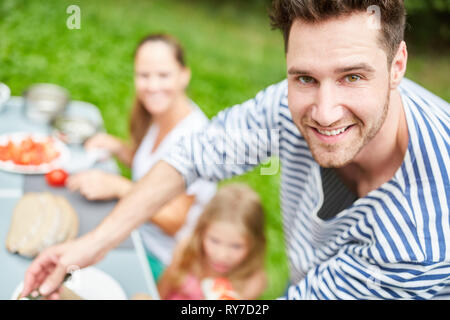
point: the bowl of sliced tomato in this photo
(32, 153)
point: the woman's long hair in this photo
(237, 204)
(140, 118)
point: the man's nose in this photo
(326, 109)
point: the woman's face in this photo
(159, 77)
(225, 246)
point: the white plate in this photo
(17, 137)
(90, 284)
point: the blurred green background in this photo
(230, 47)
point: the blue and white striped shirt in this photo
(393, 243)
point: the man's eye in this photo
(306, 79)
(352, 78)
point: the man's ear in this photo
(398, 66)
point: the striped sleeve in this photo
(235, 141)
(349, 276)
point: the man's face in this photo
(338, 82)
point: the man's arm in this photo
(162, 184)
(145, 198)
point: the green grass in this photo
(430, 70)
(230, 48)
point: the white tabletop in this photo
(128, 266)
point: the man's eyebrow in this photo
(295, 71)
(361, 66)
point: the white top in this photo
(155, 240)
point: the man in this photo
(364, 155)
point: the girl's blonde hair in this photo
(140, 118)
(241, 206)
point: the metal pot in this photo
(44, 101)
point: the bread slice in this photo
(40, 220)
(72, 222)
(22, 223)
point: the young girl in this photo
(225, 251)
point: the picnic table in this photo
(127, 263)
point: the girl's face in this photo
(159, 77)
(225, 247)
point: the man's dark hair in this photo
(393, 16)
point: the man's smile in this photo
(331, 136)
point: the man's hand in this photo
(99, 185)
(47, 271)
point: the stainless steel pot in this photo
(44, 101)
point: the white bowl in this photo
(90, 284)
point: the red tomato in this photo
(56, 178)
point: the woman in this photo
(162, 112)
